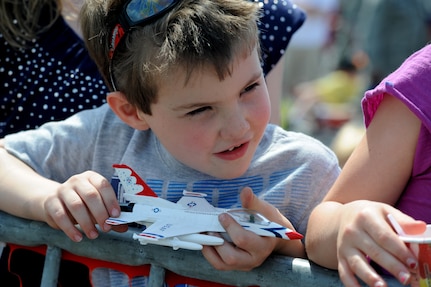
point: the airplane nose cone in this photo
(294, 235)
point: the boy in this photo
(189, 110)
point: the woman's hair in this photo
(195, 34)
(22, 20)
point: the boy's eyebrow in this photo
(193, 106)
(254, 78)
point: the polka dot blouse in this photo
(55, 78)
(279, 21)
(49, 81)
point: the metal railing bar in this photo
(121, 248)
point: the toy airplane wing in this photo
(182, 225)
(129, 217)
(124, 219)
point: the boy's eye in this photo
(250, 88)
(198, 111)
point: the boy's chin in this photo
(228, 173)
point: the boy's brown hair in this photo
(194, 34)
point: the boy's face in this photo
(210, 125)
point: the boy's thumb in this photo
(250, 201)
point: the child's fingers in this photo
(409, 224)
(250, 201)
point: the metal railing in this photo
(121, 248)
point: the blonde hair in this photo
(21, 22)
(195, 34)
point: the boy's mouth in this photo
(233, 148)
(234, 152)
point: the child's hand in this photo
(247, 249)
(249, 200)
(365, 234)
(84, 199)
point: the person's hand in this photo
(293, 248)
(247, 249)
(85, 199)
(365, 234)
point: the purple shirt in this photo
(411, 83)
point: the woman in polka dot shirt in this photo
(45, 71)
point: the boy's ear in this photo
(127, 112)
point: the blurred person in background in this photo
(397, 29)
(383, 32)
(328, 101)
(304, 59)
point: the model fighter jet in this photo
(181, 224)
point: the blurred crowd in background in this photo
(344, 48)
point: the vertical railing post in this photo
(51, 267)
(157, 276)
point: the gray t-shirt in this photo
(292, 171)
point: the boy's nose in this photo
(235, 126)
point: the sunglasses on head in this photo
(136, 13)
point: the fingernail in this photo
(412, 263)
(93, 235)
(403, 277)
(379, 284)
(115, 212)
(77, 238)
(222, 217)
(106, 227)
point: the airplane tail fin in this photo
(132, 182)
